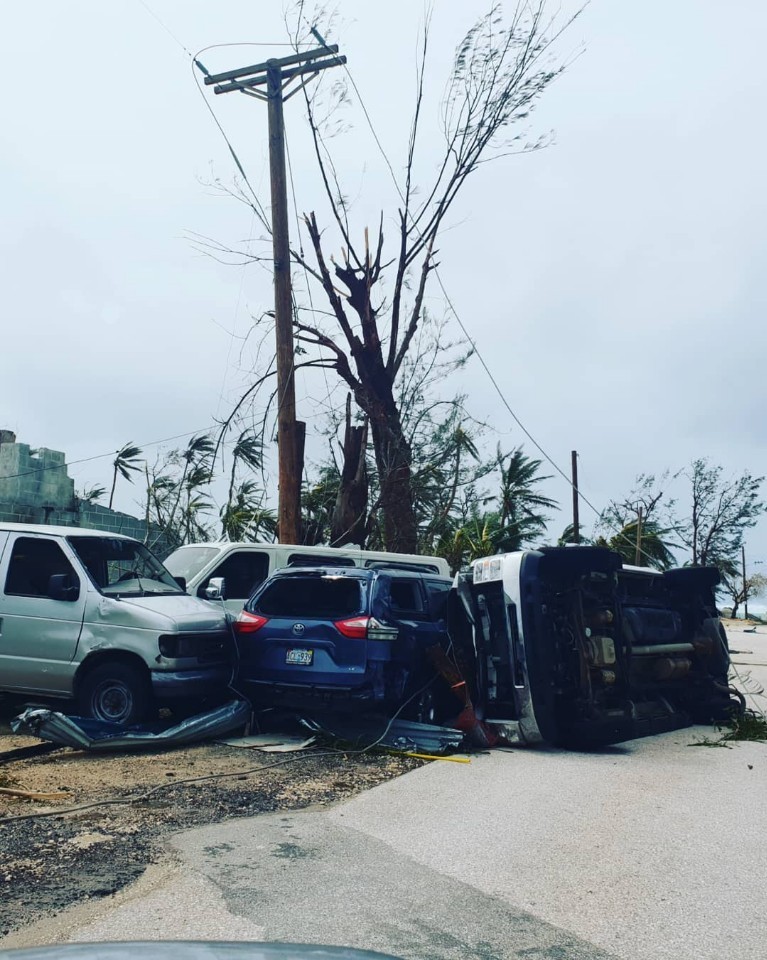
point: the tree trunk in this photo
(393, 459)
(349, 521)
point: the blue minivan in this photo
(344, 635)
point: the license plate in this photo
(303, 657)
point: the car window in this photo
(315, 560)
(406, 597)
(316, 598)
(243, 572)
(437, 593)
(33, 562)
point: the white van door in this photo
(40, 618)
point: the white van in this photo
(569, 646)
(95, 616)
(243, 566)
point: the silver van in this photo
(96, 617)
(244, 566)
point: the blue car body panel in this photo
(294, 655)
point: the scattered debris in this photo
(33, 794)
(404, 736)
(22, 753)
(750, 726)
(97, 735)
(270, 743)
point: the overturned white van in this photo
(570, 646)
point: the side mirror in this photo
(181, 581)
(216, 588)
(60, 587)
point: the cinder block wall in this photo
(35, 487)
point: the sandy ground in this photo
(49, 863)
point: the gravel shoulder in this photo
(50, 863)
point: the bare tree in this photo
(499, 72)
(376, 305)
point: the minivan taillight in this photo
(365, 628)
(248, 622)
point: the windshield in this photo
(186, 562)
(124, 568)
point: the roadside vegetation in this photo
(751, 725)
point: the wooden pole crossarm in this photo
(261, 79)
(260, 67)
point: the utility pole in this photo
(745, 582)
(576, 520)
(638, 554)
(277, 76)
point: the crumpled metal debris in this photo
(270, 743)
(97, 735)
(405, 735)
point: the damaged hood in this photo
(171, 613)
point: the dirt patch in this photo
(50, 863)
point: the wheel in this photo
(428, 705)
(115, 692)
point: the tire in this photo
(116, 693)
(428, 706)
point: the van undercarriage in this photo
(573, 648)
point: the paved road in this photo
(653, 850)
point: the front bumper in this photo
(182, 684)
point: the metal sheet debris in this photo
(97, 735)
(271, 743)
(405, 735)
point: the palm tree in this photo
(568, 536)
(92, 494)
(245, 517)
(196, 472)
(520, 518)
(655, 549)
(125, 462)
(247, 450)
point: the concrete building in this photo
(35, 487)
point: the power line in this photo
(102, 456)
(258, 208)
(165, 27)
(303, 264)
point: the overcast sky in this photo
(614, 282)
